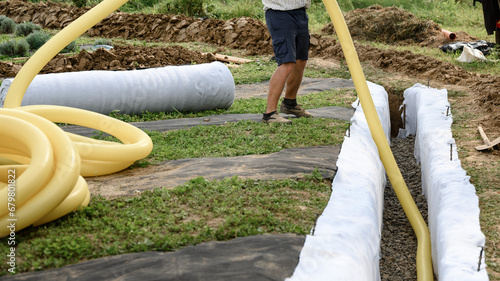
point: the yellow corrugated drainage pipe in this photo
(41, 166)
(424, 263)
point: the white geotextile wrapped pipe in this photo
(452, 201)
(346, 240)
(172, 88)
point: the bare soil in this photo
(121, 57)
(393, 25)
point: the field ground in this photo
(397, 63)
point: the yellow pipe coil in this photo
(424, 264)
(49, 163)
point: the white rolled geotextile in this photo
(346, 240)
(171, 88)
(453, 206)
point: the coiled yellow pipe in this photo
(48, 163)
(424, 263)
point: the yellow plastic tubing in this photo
(47, 163)
(424, 264)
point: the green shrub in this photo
(191, 8)
(25, 28)
(37, 38)
(72, 47)
(8, 48)
(7, 25)
(235, 9)
(138, 5)
(103, 41)
(80, 3)
(14, 48)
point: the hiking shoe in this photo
(275, 118)
(296, 110)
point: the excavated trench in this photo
(398, 241)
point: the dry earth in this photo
(482, 91)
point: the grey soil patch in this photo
(309, 85)
(332, 112)
(288, 163)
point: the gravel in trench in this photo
(399, 243)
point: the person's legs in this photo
(295, 79)
(289, 104)
(276, 85)
(290, 35)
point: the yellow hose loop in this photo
(424, 264)
(100, 168)
(137, 144)
(79, 196)
(4, 171)
(31, 137)
(41, 157)
(99, 157)
(54, 184)
(62, 170)
(48, 160)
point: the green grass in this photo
(255, 105)
(490, 213)
(262, 69)
(244, 138)
(164, 220)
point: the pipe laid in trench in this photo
(424, 263)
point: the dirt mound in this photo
(389, 25)
(393, 25)
(238, 33)
(486, 87)
(46, 14)
(122, 57)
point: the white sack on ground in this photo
(452, 202)
(346, 240)
(470, 55)
(172, 88)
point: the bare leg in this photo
(294, 80)
(277, 84)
